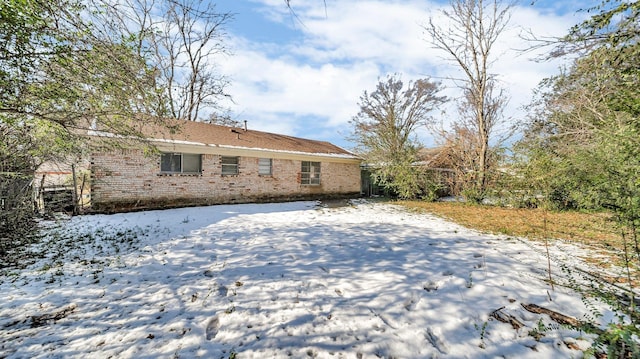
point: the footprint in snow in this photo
(430, 286)
(411, 303)
(212, 327)
(435, 340)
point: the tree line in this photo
(470, 149)
(579, 147)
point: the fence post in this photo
(75, 190)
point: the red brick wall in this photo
(127, 178)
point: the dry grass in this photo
(594, 230)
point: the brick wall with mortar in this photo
(128, 179)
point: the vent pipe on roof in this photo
(245, 125)
(236, 132)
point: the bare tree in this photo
(288, 3)
(468, 39)
(385, 130)
(181, 40)
(223, 119)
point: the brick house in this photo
(204, 164)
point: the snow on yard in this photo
(286, 280)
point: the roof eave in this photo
(185, 146)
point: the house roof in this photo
(190, 132)
(431, 157)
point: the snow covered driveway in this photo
(284, 280)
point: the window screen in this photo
(171, 162)
(264, 166)
(310, 173)
(229, 165)
(180, 163)
(191, 163)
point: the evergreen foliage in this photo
(582, 146)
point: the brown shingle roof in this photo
(210, 134)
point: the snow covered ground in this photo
(286, 280)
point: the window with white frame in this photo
(310, 173)
(265, 166)
(180, 163)
(229, 165)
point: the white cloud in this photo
(342, 52)
(261, 85)
(385, 32)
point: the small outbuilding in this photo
(203, 164)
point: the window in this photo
(229, 165)
(264, 166)
(310, 173)
(180, 163)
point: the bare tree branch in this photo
(385, 129)
(468, 39)
(182, 40)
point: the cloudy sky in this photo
(302, 74)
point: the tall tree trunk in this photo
(473, 27)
